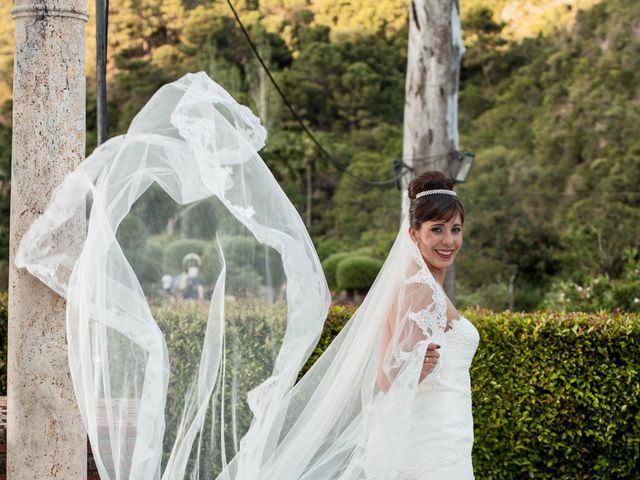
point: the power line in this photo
(404, 168)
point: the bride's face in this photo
(439, 241)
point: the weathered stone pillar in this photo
(45, 434)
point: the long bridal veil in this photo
(196, 297)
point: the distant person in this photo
(167, 283)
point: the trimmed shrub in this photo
(242, 282)
(249, 264)
(328, 245)
(337, 317)
(330, 265)
(175, 252)
(257, 327)
(254, 331)
(364, 252)
(556, 395)
(147, 263)
(211, 263)
(357, 273)
(239, 250)
(564, 403)
(244, 254)
(132, 233)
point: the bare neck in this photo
(438, 274)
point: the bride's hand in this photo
(430, 360)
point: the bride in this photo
(388, 399)
(441, 433)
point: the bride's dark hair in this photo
(432, 207)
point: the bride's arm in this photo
(409, 321)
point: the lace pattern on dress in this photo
(432, 320)
(419, 472)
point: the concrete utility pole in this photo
(45, 435)
(431, 92)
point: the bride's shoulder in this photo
(417, 275)
(419, 289)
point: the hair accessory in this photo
(429, 192)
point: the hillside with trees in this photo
(549, 105)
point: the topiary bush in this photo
(330, 265)
(250, 265)
(364, 252)
(242, 282)
(132, 233)
(243, 253)
(147, 263)
(175, 252)
(357, 273)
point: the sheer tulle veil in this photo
(206, 389)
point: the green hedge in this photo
(175, 252)
(253, 332)
(337, 318)
(554, 395)
(330, 265)
(147, 262)
(357, 272)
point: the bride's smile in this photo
(439, 242)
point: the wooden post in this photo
(309, 178)
(431, 92)
(101, 71)
(45, 434)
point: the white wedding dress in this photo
(441, 433)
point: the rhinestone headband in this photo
(429, 192)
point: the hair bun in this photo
(431, 180)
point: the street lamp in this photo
(461, 165)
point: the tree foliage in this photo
(548, 103)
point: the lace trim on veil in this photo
(432, 319)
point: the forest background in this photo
(549, 104)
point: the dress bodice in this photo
(456, 355)
(441, 432)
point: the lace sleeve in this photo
(417, 318)
(427, 304)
